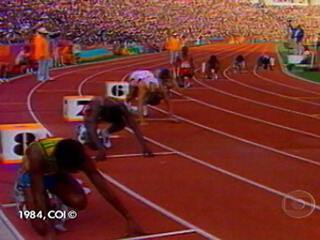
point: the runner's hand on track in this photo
(174, 119)
(134, 229)
(147, 152)
(101, 155)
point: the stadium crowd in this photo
(149, 21)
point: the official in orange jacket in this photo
(174, 45)
(41, 54)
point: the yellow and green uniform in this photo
(47, 147)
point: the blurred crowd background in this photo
(127, 27)
(90, 22)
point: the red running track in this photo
(243, 143)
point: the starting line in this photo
(161, 235)
(137, 155)
(140, 155)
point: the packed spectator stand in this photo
(96, 21)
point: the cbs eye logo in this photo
(298, 204)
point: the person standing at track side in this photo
(174, 45)
(41, 54)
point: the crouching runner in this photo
(102, 110)
(47, 167)
(150, 89)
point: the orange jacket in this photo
(174, 44)
(41, 49)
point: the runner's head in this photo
(70, 155)
(213, 59)
(184, 51)
(164, 75)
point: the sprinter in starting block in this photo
(46, 169)
(150, 88)
(103, 110)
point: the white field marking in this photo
(158, 208)
(6, 222)
(159, 119)
(8, 205)
(244, 98)
(234, 175)
(179, 100)
(194, 88)
(12, 103)
(255, 101)
(271, 149)
(56, 91)
(251, 100)
(212, 106)
(161, 235)
(266, 91)
(283, 84)
(115, 136)
(139, 155)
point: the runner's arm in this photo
(130, 121)
(38, 201)
(90, 121)
(102, 186)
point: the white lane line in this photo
(139, 155)
(7, 223)
(255, 101)
(161, 235)
(209, 105)
(234, 175)
(158, 208)
(8, 205)
(271, 149)
(283, 84)
(257, 89)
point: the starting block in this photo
(15, 138)
(117, 90)
(73, 107)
